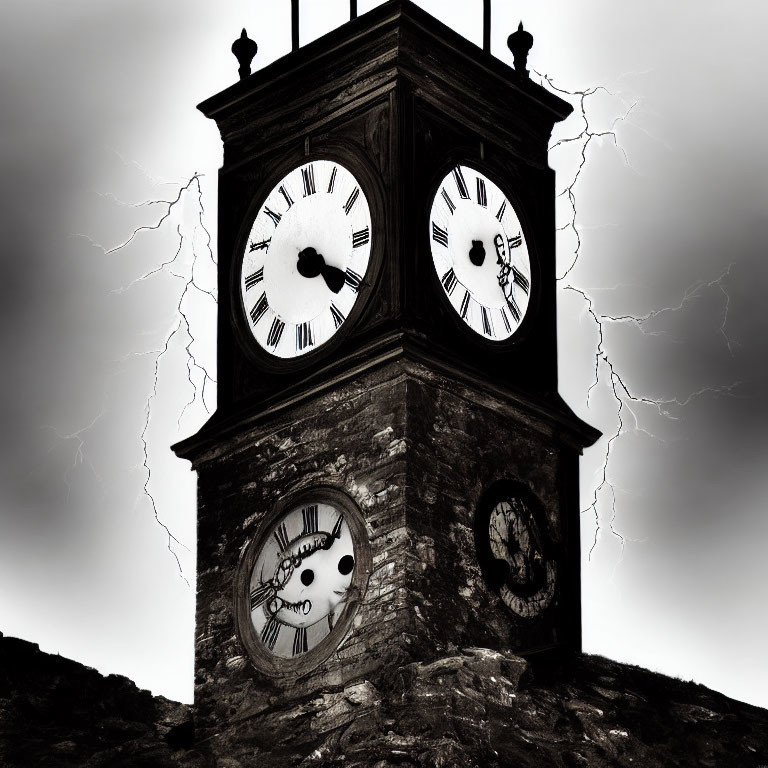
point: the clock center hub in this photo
(316, 227)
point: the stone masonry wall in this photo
(414, 450)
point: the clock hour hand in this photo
(311, 264)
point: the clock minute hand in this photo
(501, 260)
(311, 264)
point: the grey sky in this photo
(98, 115)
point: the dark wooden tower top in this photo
(366, 57)
(404, 94)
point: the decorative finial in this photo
(352, 9)
(520, 43)
(244, 49)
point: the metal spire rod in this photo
(295, 25)
(487, 26)
(352, 9)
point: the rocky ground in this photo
(474, 707)
(56, 712)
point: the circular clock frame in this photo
(492, 173)
(263, 660)
(351, 160)
(537, 527)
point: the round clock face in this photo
(305, 259)
(480, 254)
(516, 557)
(301, 579)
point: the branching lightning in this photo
(183, 265)
(79, 456)
(606, 370)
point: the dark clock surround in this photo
(407, 412)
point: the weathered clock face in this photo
(480, 254)
(301, 579)
(305, 259)
(516, 555)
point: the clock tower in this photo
(391, 477)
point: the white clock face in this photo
(480, 254)
(305, 260)
(301, 579)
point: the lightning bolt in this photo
(192, 267)
(79, 456)
(628, 400)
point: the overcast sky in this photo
(99, 118)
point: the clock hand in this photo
(311, 264)
(477, 253)
(501, 260)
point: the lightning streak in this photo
(184, 265)
(606, 370)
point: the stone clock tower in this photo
(391, 478)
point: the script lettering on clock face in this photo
(480, 254)
(305, 259)
(301, 579)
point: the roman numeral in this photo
(284, 192)
(275, 332)
(360, 238)
(351, 200)
(461, 185)
(506, 320)
(514, 242)
(332, 181)
(304, 336)
(310, 516)
(336, 532)
(271, 632)
(448, 201)
(487, 324)
(465, 305)
(520, 279)
(513, 308)
(353, 280)
(260, 595)
(263, 245)
(502, 210)
(439, 235)
(256, 277)
(281, 537)
(449, 281)
(482, 195)
(308, 177)
(274, 216)
(338, 316)
(300, 641)
(259, 309)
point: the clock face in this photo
(301, 579)
(517, 561)
(305, 259)
(480, 254)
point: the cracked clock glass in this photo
(516, 554)
(301, 579)
(480, 253)
(305, 259)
